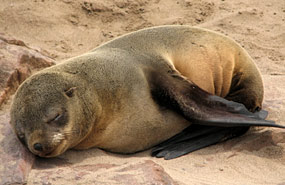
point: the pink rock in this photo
(139, 173)
(17, 62)
(15, 160)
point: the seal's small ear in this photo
(70, 92)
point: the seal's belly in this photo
(134, 129)
(141, 131)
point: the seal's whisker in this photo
(55, 138)
(69, 133)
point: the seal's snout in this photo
(40, 149)
(46, 144)
(47, 149)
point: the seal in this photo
(139, 90)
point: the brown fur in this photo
(104, 96)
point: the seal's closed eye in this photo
(56, 118)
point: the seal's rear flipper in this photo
(194, 138)
(171, 90)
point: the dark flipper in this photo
(198, 106)
(194, 138)
(214, 119)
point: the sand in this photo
(66, 28)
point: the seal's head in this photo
(49, 113)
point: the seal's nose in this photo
(38, 147)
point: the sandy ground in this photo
(66, 28)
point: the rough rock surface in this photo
(15, 160)
(136, 173)
(17, 62)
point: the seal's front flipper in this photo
(171, 90)
(194, 138)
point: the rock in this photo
(144, 172)
(16, 161)
(17, 62)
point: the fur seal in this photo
(139, 90)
